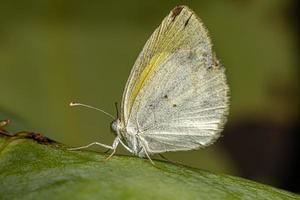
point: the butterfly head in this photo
(115, 126)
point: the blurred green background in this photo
(54, 52)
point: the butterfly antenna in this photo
(92, 107)
(117, 109)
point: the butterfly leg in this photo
(126, 147)
(138, 126)
(148, 156)
(173, 162)
(145, 149)
(163, 157)
(91, 144)
(107, 151)
(114, 147)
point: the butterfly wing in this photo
(176, 97)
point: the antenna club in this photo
(73, 103)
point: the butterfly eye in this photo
(114, 127)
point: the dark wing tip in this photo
(176, 11)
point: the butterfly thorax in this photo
(133, 141)
(128, 136)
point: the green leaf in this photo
(35, 167)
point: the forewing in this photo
(176, 96)
(169, 37)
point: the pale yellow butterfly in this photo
(176, 97)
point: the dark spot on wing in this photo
(187, 21)
(216, 62)
(151, 105)
(166, 96)
(176, 11)
(205, 103)
(207, 60)
(192, 54)
(174, 105)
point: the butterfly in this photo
(176, 97)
